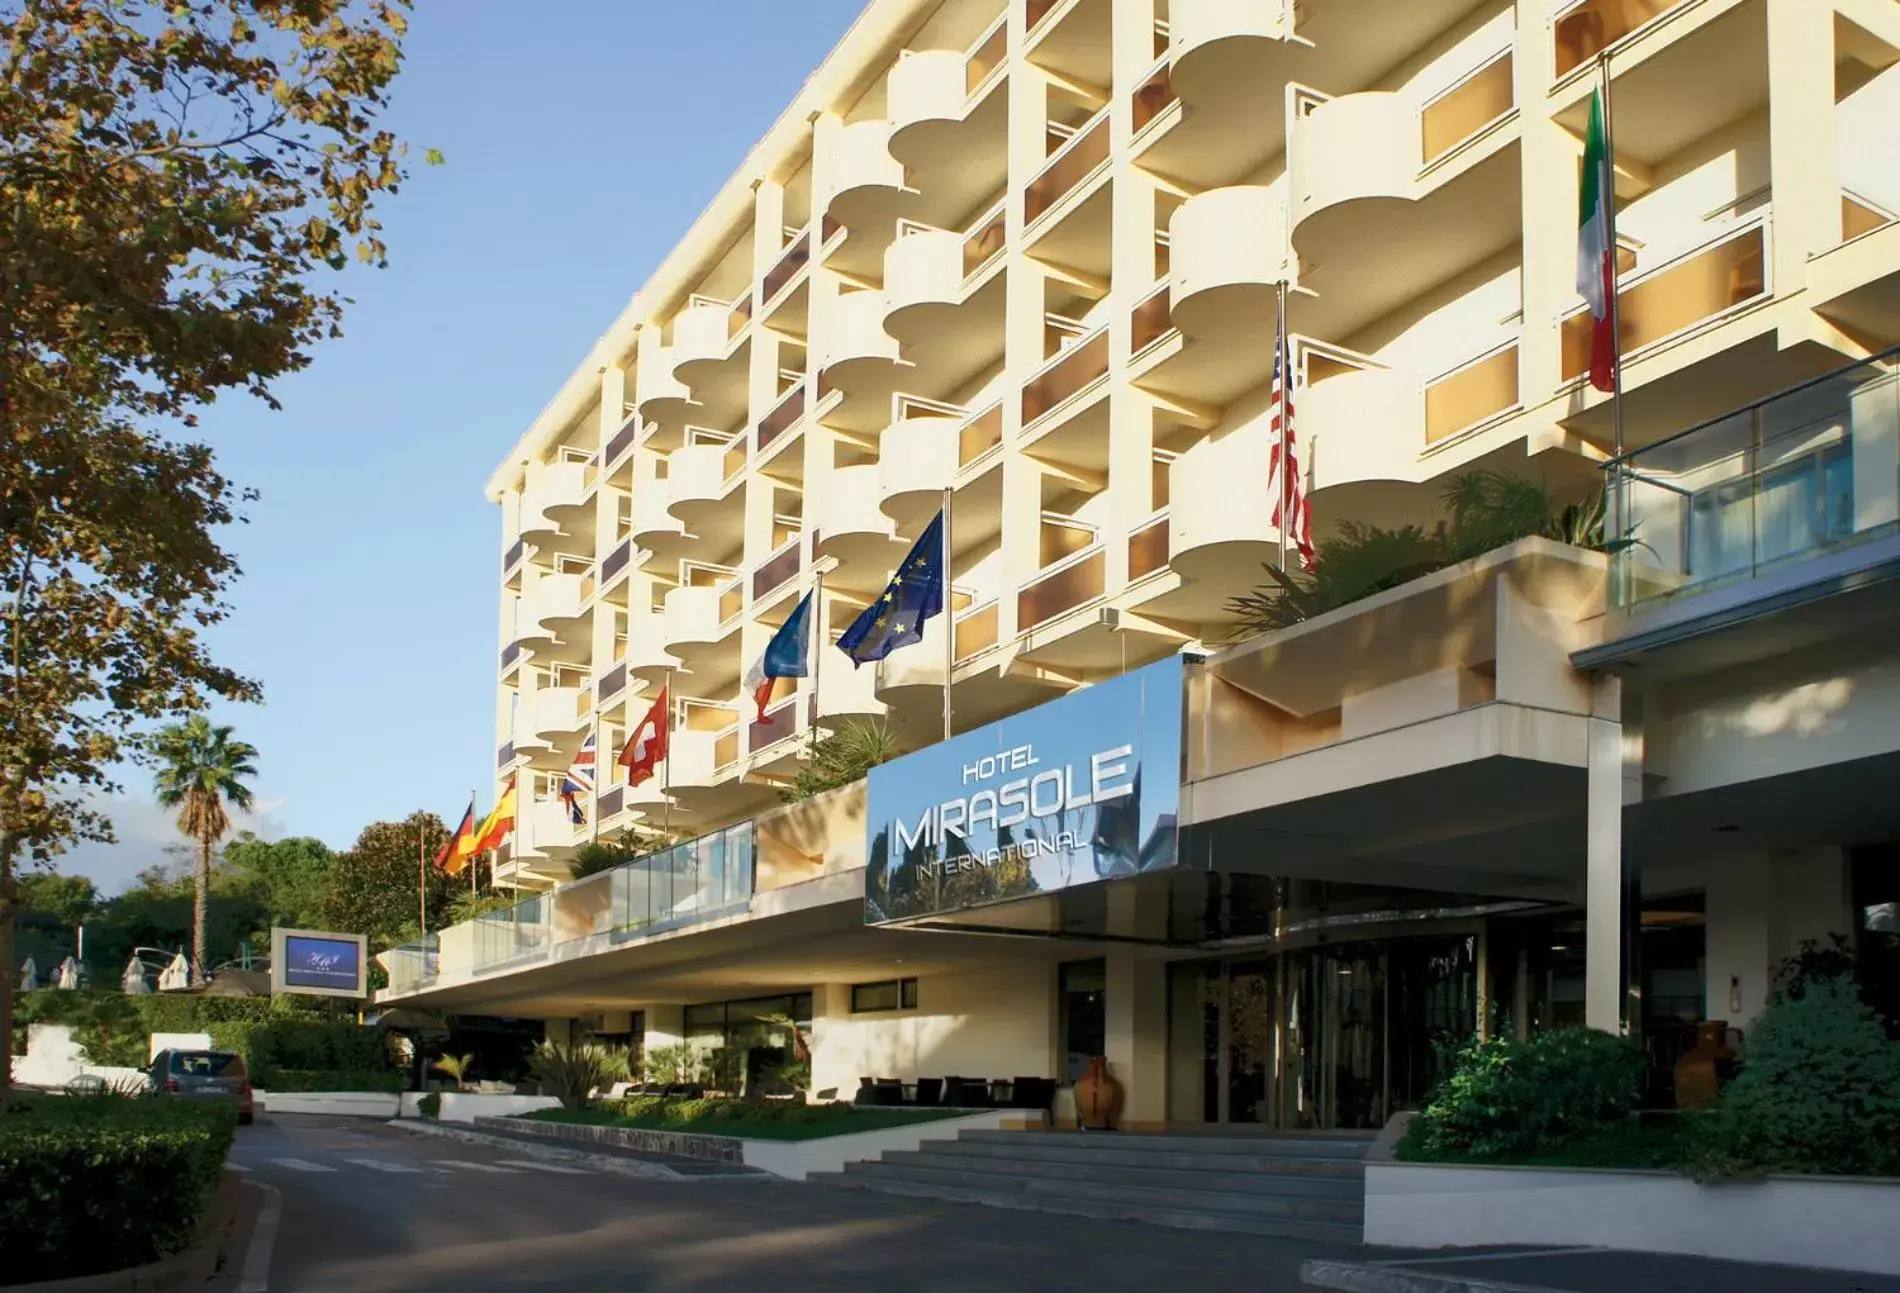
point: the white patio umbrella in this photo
(29, 976)
(133, 980)
(69, 974)
(177, 975)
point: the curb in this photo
(633, 1167)
(1358, 1277)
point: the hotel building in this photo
(1028, 255)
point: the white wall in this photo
(990, 1024)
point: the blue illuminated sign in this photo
(1081, 789)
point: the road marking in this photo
(235, 1167)
(383, 1165)
(544, 1167)
(301, 1165)
(255, 1277)
(478, 1167)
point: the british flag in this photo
(1283, 468)
(579, 781)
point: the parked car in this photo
(204, 1075)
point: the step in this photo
(1280, 1228)
(1210, 1202)
(940, 1155)
(1331, 1146)
(1040, 1147)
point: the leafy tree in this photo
(172, 178)
(373, 884)
(842, 757)
(200, 770)
(291, 875)
(633, 842)
(69, 899)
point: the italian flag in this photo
(1596, 272)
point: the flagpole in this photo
(666, 758)
(474, 860)
(1616, 309)
(1280, 508)
(593, 808)
(818, 644)
(949, 618)
(422, 880)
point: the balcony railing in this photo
(731, 600)
(1074, 162)
(1150, 320)
(779, 277)
(991, 48)
(984, 241)
(518, 933)
(1060, 589)
(623, 440)
(1467, 108)
(726, 747)
(1791, 476)
(610, 802)
(1075, 368)
(616, 561)
(517, 551)
(510, 654)
(1678, 295)
(976, 630)
(1148, 547)
(777, 724)
(979, 435)
(700, 880)
(1473, 394)
(611, 684)
(1589, 27)
(783, 417)
(734, 461)
(506, 755)
(776, 569)
(739, 316)
(1153, 96)
(1034, 11)
(415, 964)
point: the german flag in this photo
(452, 858)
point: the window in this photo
(891, 994)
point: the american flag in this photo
(1283, 469)
(579, 781)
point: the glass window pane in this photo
(910, 994)
(875, 996)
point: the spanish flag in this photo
(495, 827)
(452, 857)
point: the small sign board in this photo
(318, 964)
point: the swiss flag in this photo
(647, 746)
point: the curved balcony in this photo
(1227, 60)
(555, 495)
(850, 526)
(696, 490)
(712, 356)
(1224, 545)
(1371, 424)
(692, 619)
(913, 678)
(1359, 151)
(552, 608)
(554, 713)
(1226, 256)
(663, 400)
(860, 359)
(647, 656)
(916, 462)
(928, 97)
(545, 830)
(847, 692)
(940, 294)
(923, 275)
(868, 193)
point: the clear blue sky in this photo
(582, 137)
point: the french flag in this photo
(787, 655)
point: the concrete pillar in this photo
(1137, 1038)
(1612, 999)
(1802, 159)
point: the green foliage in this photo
(572, 1072)
(758, 1119)
(291, 875)
(457, 1069)
(373, 883)
(676, 1065)
(632, 842)
(1511, 1098)
(855, 747)
(430, 1105)
(382, 1081)
(113, 1032)
(69, 899)
(96, 1184)
(273, 1047)
(1485, 510)
(201, 769)
(1819, 1092)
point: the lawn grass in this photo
(803, 1122)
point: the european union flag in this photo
(896, 618)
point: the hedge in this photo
(272, 1047)
(93, 1184)
(287, 1080)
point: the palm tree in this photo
(200, 770)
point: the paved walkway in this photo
(1585, 1270)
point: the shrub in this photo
(726, 1112)
(1819, 1092)
(430, 1105)
(571, 1072)
(1511, 1097)
(272, 1046)
(383, 1080)
(97, 1184)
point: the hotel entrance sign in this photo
(1081, 789)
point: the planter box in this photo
(792, 1159)
(1845, 1223)
(468, 1106)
